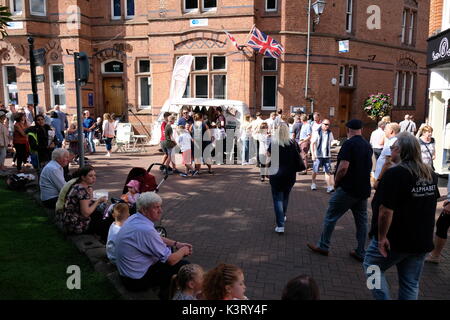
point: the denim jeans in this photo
(90, 140)
(409, 269)
(280, 204)
(108, 142)
(245, 149)
(339, 203)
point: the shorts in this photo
(322, 162)
(186, 157)
(164, 149)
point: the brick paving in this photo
(228, 217)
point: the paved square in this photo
(229, 217)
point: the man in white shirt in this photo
(390, 131)
(321, 154)
(408, 125)
(377, 139)
(52, 179)
(254, 125)
(29, 114)
(272, 123)
(315, 124)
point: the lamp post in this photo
(318, 8)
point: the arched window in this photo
(112, 66)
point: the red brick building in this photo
(133, 46)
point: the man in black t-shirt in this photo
(402, 233)
(352, 185)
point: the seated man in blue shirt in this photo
(143, 257)
(52, 179)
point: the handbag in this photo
(432, 166)
(299, 164)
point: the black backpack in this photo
(16, 183)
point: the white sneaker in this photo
(108, 154)
(330, 189)
(313, 186)
(285, 218)
(279, 229)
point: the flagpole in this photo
(248, 35)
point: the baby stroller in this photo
(147, 183)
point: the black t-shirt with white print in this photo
(414, 206)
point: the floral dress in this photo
(71, 218)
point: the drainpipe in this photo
(307, 52)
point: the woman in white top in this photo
(427, 146)
(108, 132)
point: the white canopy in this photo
(234, 111)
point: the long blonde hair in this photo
(411, 157)
(282, 135)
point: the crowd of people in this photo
(403, 207)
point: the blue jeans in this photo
(409, 269)
(245, 149)
(280, 204)
(108, 142)
(90, 140)
(339, 203)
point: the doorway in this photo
(344, 110)
(114, 95)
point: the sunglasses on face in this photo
(326, 124)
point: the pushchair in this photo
(147, 183)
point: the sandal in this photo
(210, 172)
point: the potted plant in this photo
(377, 106)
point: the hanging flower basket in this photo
(377, 106)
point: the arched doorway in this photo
(113, 87)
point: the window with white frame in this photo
(409, 23)
(342, 76)
(269, 93)
(349, 16)
(116, 9)
(404, 89)
(351, 73)
(112, 66)
(271, 5)
(347, 76)
(199, 5)
(208, 78)
(129, 10)
(144, 83)
(57, 86)
(10, 80)
(16, 7)
(446, 15)
(269, 64)
(38, 7)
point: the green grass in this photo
(34, 256)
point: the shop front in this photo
(438, 62)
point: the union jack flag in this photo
(264, 44)
(233, 40)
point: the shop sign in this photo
(439, 49)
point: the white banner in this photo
(180, 75)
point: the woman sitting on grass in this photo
(79, 214)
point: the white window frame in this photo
(207, 64)
(397, 78)
(271, 9)
(403, 101)
(342, 76)
(208, 84)
(52, 95)
(262, 93)
(11, 7)
(276, 64)
(138, 66)
(150, 84)
(7, 86)
(404, 17)
(113, 17)
(411, 89)
(190, 10)
(39, 13)
(349, 16)
(212, 62)
(226, 86)
(411, 28)
(126, 10)
(351, 76)
(111, 60)
(209, 9)
(446, 15)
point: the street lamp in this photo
(318, 8)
